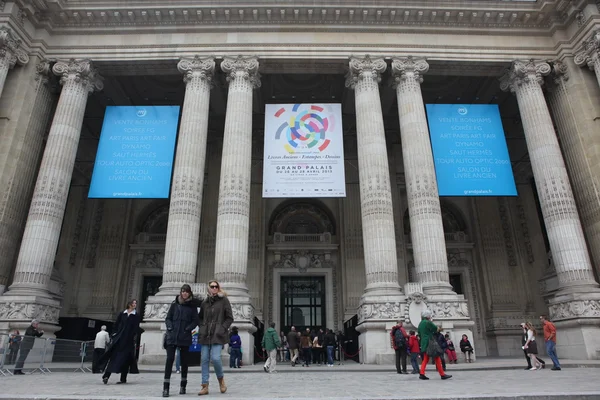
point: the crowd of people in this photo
(116, 353)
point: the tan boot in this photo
(204, 389)
(222, 384)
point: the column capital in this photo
(10, 49)
(590, 51)
(522, 72)
(79, 71)
(560, 72)
(409, 67)
(242, 67)
(364, 68)
(197, 67)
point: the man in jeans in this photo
(292, 339)
(399, 339)
(270, 343)
(550, 338)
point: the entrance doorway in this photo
(303, 302)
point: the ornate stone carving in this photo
(156, 311)
(23, 311)
(79, 71)
(10, 49)
(197, 67)
(509, 322)
(383, 311)
(303, 260)
(242, 68)
(364, 68)
(449, 310)
(409, 67)
(242, 312)
(521, 72)
(575, 309)
(590, 52)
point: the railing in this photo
(29, 355)
(324, 238)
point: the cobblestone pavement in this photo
(318, 383)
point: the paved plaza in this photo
(489, 380)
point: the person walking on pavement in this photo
(216, 316)
(102, 339)
(399, 339)
(329, 343)
(181, 319)
(270, 343)
(292, 339)
(14, 346)
(523, 341)
(31, 333)
(531, 347)
(427, 331)
(121, 352)
(550, 339)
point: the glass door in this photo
(302, 302)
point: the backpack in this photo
(399, 339)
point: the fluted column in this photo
(561, 218)
(10, 54)
(590, 54)
(427, 230)
(42, 230)
(379, 240)
(231, 253)
(183, 229)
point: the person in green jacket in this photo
(270, 343)
(427, 330)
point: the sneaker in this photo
(532, 369)
(444, 377)
(555, 369)
(266, 369)
(178, 371)
(423, 377)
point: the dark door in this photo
(149, 288)
(303, 302)
(456, 282)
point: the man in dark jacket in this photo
(181, 319)
(292, 339)
(28, 341)
(399, 339)
(329, 343)
(216, 316)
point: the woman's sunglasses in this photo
(214, 287)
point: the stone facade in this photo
(391, 248)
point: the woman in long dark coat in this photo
(181, 319)
(121, 353)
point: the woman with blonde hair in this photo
(531, 347)
(216, 317)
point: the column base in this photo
(577, 320)
(243, 318)
(151, 342)
(22, 309)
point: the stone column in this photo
(42, 230)
(183, 229)
(10, 54)
(427, 231)
(578, 296)
(590, 54)
(382, 300)
(233, 214)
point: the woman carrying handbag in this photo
(430, 348)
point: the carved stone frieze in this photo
(156, 311)
(15, 311)
(303, 260)
(509, 322)
(382, 311)
(242, 312)
(575, 309)
(449, 310)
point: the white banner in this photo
(304, 151)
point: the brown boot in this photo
(222, 384)
(204, 389)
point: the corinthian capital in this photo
(409, 68)
(523, 72)
(364, 68)
(197, 67)
(590, 52)
(242, 68)
(10, 49)
(79, 71)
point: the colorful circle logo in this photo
(306, 128)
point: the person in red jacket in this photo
(415, 349)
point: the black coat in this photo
(216, 317)
(181, 319)
(121, 350)
(30, 334)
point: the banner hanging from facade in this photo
(135, 152)
(304, 151)
(469, 150)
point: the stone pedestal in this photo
(576, 304)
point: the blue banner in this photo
(135, 152)
(469, 150)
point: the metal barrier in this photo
(26, 354)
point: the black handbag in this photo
(433, 348)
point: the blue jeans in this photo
(413, 361)
(177, 360)
(211, 352)
(235, 358)
(551, 350)
(330, 355)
